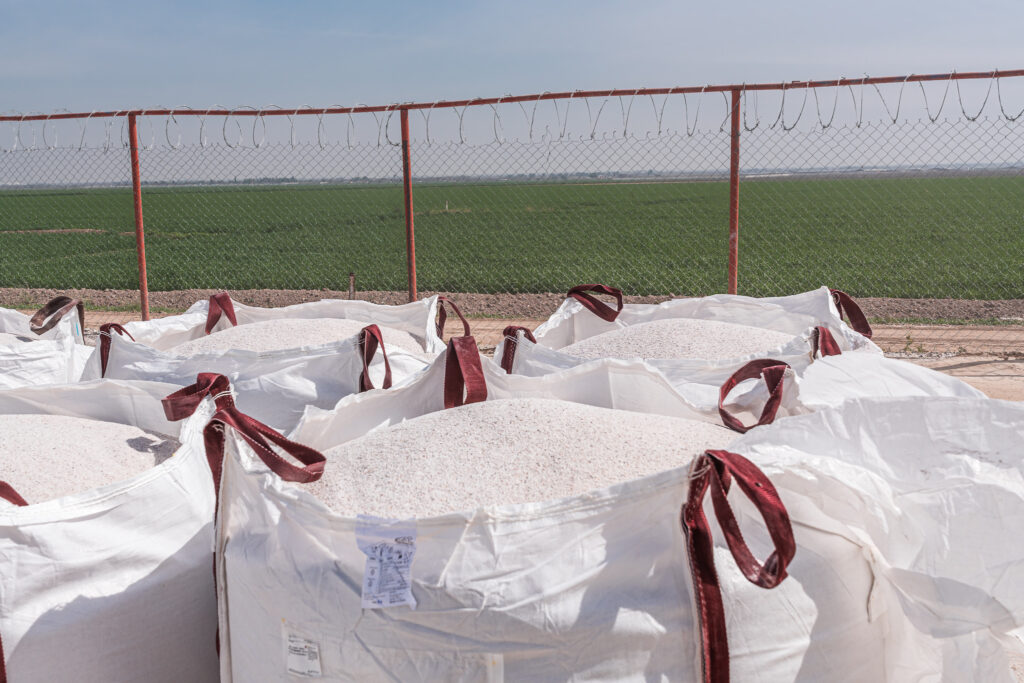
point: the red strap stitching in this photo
(511, 335)
(845, 303)
(773, 372)
(442, 316)
(463, 373)
(370, 338)
(714, 470)
(599, 308)
(105, 331)
(220, 304)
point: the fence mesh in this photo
(910, 199)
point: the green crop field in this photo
(957, 237)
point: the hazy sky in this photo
(109, 55)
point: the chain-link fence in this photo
(907, 194)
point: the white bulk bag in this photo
(777, 390)
(594, 587)
(46, 348)
(809, 379)
(582, 315)
(220, 312)
(61, 318)
(115, 583)
(274, 387)
(919, 501)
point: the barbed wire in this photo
(45, 133)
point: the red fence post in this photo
(734, 193)
(410, 233)
(140, 236)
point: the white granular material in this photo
(679, 338)
(49, 456)
(504, 452)
(8, 339)
(274, 335)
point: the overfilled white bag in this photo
(273, 387)
(46, 348)
(593, 587)
(582, 315)
(908, 566)
(113, 583)
(220, 312)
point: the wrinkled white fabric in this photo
(922, 497)
(68, 327)
(811, 384)
(274, 387)
(58, 356)
(113, 584)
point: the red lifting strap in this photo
(107, 329)
(772, 371)
(442, 316)
(220, 304)
(715, 470)
(183, 403)
(846, 304)
(823, 343)
(511, 334)
(259, 436)
(599, 308)
(8, 493)
(370, 338)
(463, 374)
(47, 317)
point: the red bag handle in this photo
(772, 371)
(442, 316)
(463, 374)
(106, 329)
(845, 303)
(259, 436)
(220, 304)
(599, 308)
(823, 343)
(370, 339)
(511, 334)
(8, 493)
(715, 470)
(53, 311)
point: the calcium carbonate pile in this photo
(49, 456)
(8, 339)
(504, 452)
(290, 333)
(679, 338)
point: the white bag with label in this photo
(220, 312)
(114, 583)
(273, 387)
(592, 587)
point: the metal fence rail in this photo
(908, 190)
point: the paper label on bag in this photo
(303, 658)
(389, 546)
